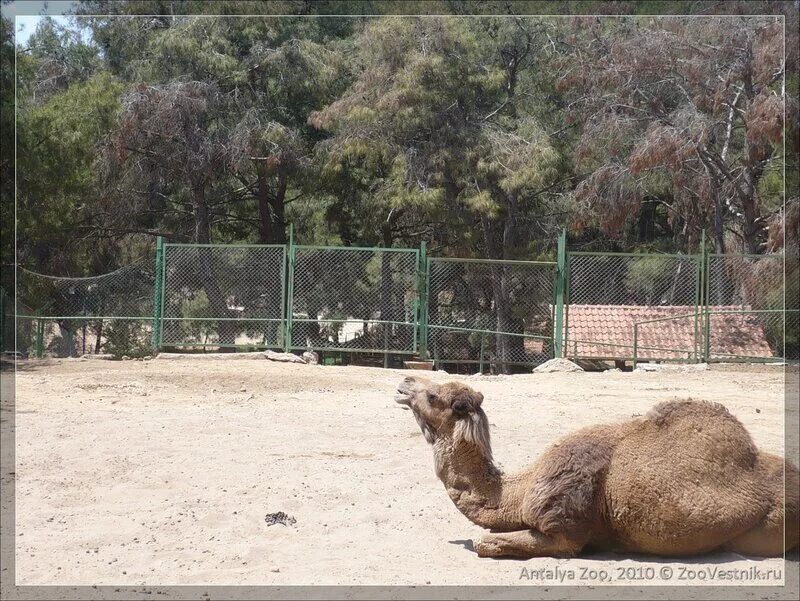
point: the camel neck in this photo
(476, 485)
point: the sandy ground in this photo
(161, 472)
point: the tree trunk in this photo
(751, 228)
(388, 296)
(279, 210)
(98, 344)
(206, 271)
(265, 229)
(753, 169)
(499, 289)
(271, 209)
(719, 229)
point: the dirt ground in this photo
(161, 472)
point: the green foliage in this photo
(377, 131)
(127, 339)
(645, 277)
(7, 165)
(57, 181)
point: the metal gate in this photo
(353, 299)
(483, 311)
(222, 295)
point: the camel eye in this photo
(430, 398)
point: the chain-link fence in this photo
(222, 296)
(73, 316)
(747, 317)
(353, 299)
(609, 293)
(490, 312)
(586, 306)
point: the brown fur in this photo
(685, 479)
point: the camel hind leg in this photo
(779, 531)
(526, 543)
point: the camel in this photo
(685, 479)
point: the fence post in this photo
(635, 344)
(39, 338)
(385, 345)
(483, 341)
(561, 276)
(158, 294)
(706, 302)
(698, 295)
(422, 316)
(287, 336)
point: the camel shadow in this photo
(466, 544)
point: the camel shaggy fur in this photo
(684, 479)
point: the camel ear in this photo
(461, 407)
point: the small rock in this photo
(125, 358)
(274, 569)
(758, 410)
(283, 357)
(279, 518)
(557, 365)
(243, 389)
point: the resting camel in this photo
(682, 480)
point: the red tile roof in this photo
(606, 331)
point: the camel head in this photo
(451, 410)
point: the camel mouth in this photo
(405, 392)
(403, 397)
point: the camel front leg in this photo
(526, 543)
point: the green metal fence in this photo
(73, 316)
(608, 293)
(742, 317)
(746, 314)
(353, 299)
(221, 296)
(492, 312)
(590, 307)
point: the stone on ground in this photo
(284, 357)
(311, 357)
(557, 365)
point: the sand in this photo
(162, 472)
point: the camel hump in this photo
(704, 425)
(666, 411)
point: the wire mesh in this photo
(72, 316)
(126, 292)
(746, 319)
(368, 300)
(607, 294)
(354, 299)
(752, 335)
(496, 312)
(676, 338)
(77, 337)
(746, 282)
(223, 296)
